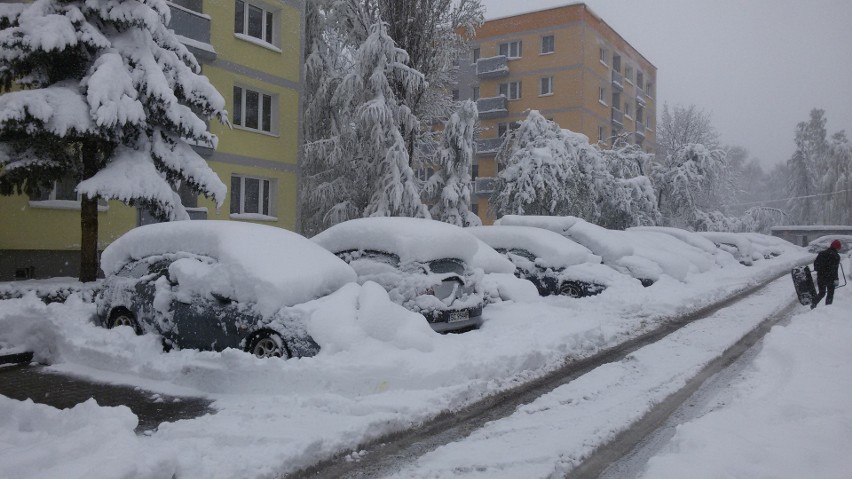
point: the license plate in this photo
(456, 316)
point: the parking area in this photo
(35, 382)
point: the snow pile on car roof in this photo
(411, 239)
(269, 266)
(489, 260)
(551, 249)
(596, 238)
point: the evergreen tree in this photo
(805, 167)
(450, 185)
(362, 168)
(107, 95)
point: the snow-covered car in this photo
(737, 244)
(616, 250)
(721, 257)
(424, 265)
(823, 242)
(555, 264)
(218, 284)
(769, 246)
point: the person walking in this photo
(825, 265)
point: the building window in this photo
(511, 49)
(616, 62)
(548, 44)
(511, 90)
(603, 55)
(627, 111)
(640, 114)
(254, 110)
(475, 93)
(640, 81)
(547, 86)
(63, 196)
(474, 208)
(252, 195)
(628, 74)
(616, 100)
(455, 95)
(602, 95)
(600, 133)
(649, 89)
(475, 55)
(254, 20)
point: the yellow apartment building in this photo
(251, 51)
(565, 62)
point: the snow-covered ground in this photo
(275, 416)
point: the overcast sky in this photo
(757, 66)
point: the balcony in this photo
(493, 67)
(488, 146)
(194, 26)
(617, 81)
(617, 118)
(640, 98)
(493, 107)
(484, 185)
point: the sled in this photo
(803, 281)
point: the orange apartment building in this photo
(565, 62)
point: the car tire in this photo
(123, 317)
(268, 344)
(571, 289)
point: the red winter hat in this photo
(836, 244)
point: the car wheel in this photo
(571, 289)
(268, 344)
(123, 317)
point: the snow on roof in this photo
(412, 239)
(489, 260)
(551, 249)
(270, 266)
(599, 240)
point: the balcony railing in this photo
(484, 185)
(493, 67)
(617, 117)
(488, 146)
(617, 81)
(640, 98)
(493, 107)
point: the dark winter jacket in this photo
(826, 264)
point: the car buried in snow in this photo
(424, 265)
(553, 263)
(213, 285)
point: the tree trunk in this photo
(89, 220)
(89, 239)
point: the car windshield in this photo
(447, 265)
(523, 254)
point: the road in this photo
(402, 453)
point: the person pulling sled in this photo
(825, 265)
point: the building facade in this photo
(565, 62)
(251, 50)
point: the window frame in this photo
(474, 94)
(549, 80)
(509, 46)
(52, 202)
(544, 41)
(510, 88)
(267, 192)
(602, 95)
(602, 56)
(475, 54)
(239, 111)
(269, 34)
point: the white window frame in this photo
(265, 184)
(628, 74)
(552, 44)
(270, 20)
(602, 96)
(511, 90)
(475, 54)
(602, 56)
(239, 114)
(640, 80)
(601, 134)
(627, 110)
(545, 81)
(513, 49)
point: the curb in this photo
(16, 358)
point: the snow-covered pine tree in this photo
(449, 187)
(107, 95)
(838, 180)
(540, 175)
(365, 148)
(806, 167)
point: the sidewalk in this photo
(26, 381)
